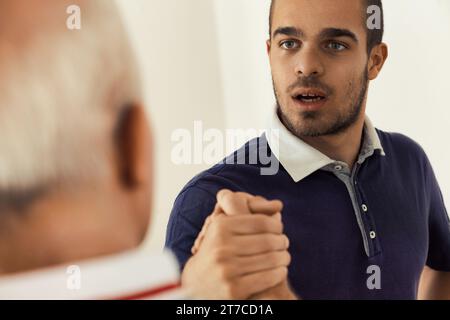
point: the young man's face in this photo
(318, 55)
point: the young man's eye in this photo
(289, 44)
(336, 46)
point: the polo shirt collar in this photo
(300, 159)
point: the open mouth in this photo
(309, 98)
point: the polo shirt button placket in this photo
(372, 233)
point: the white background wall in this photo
(206, 60)
(175, 42)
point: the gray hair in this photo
(61, 92)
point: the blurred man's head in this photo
(74, 143)
(322, 56)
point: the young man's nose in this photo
(308, 63)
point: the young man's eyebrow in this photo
(336, 32)
(325, 33)
(288, 31)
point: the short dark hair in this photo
(374, 37)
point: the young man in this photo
(362, 208)
(75, 163)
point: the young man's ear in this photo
(268, 46)
(134, 147)
(377, 58)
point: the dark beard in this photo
(340, 125)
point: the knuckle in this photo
(279, 204)
(288, 258)
(227, 196)
(278, 258)
(286, 241)
(279, 226)
(279, 242)
(223, 193)
(283, 272)
(241, 194)
(276, 275)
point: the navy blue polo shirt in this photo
(386, 213)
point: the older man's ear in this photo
(134, 148)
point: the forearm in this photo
(434, 285)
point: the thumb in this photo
(234, 203)
(263, 206)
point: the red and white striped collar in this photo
(136, 274)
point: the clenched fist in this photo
(241, 252)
